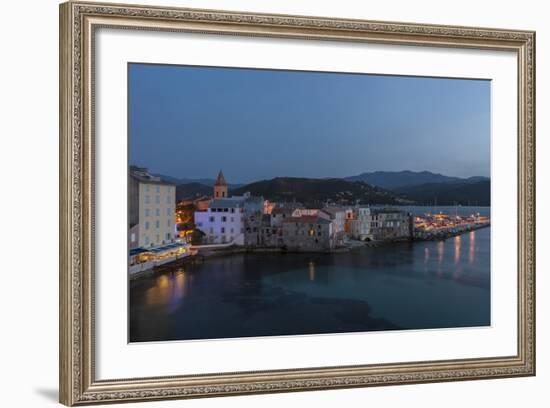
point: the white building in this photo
(360, 225)
(234, 219)
(338, 217)
(222, 222)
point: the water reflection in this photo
(311, 268)
(458, 241)
(180, 286)
(168, 289)
(420, 285)
(472, 247)
(440, 253)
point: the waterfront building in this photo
(308, 233)
(144, 259)
(253, 213)
(222, 222)
(389, 224)
(301, 212)
(152, 222)
(360, 224)
(151, 205)
(349, 217)
(338, 217)
(234, 219)
(271, 236)
(279, 214)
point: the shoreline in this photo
(217, 253)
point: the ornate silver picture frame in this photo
(78, 24)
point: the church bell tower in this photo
(220, 187)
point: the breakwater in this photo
(448, 232)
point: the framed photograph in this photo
(256, 203)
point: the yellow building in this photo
(151, 212)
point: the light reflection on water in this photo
(458, 241)
(472, 247)
(168, 289)
(412, 285)
(311, 269)
(440, 253)
(426, 255)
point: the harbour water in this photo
(411, 285)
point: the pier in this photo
(442, 226)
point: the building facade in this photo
(349, 219)
(271, 236)
(308, 233)
(234, 219)
(151, 212)
(338, 217)
(253, 216)
(360, 224)
(390, 224)
(279, 214)
(222, 222)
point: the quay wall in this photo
(443, 233)
(154, 266)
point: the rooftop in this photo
(386, 211)
(254, 199)
(220, 180)
(162, 248)
(142, 175)
(282, 210)
(332, 210)
(225, 203)
(308, 219)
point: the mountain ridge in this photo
(454, 193)
(398, 179)
(385, 188)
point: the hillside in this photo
(392, 180)
(462, 193)
(318, 191)
(192, 190)
(374, 188)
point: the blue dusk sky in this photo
(190, 122)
